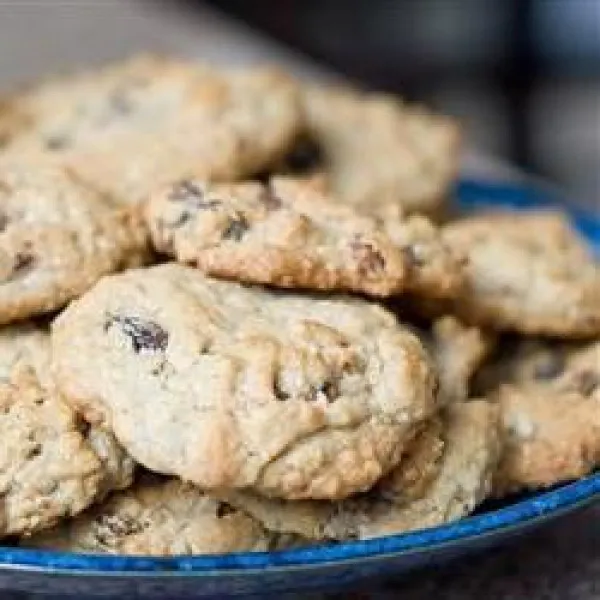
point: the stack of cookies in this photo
(236, 315)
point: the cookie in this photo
(229, 386)
(375, 151)
(57, 237)
(527, 272)
(458, 351)
(129, 127)
(49, 469)
(549, 395)
(453, 468)
(291, 234)
(26, 345)
(157, 518)
(551, 435)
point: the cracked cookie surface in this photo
(141, 123)
(237, 387)
(444, 474)
(291, 234)
(57, 237)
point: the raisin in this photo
(57, 142)
(368, 258)
(280, 394)
(331, 389)
(586, 382)
(144, 335)
(184, 190)
(224, 509)
(237, 227)
(118, 526)
(305, 156)
(270, 199)
(193, 195)
(22, 264)
(551, 368)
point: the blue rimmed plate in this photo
(263, 574)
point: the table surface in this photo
(561, 562)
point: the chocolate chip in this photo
(3, 222)
(305, 156)
(236, 228)
(144, 335)
(550, 368)
(224, 509)
(369, 259)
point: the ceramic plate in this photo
(334, 566)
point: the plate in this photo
(319, 567)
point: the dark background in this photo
(523, 75)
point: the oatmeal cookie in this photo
(442, 477)
(527, 272)
(129, 127)
(375, 151)
(157, 517)
(57, 237)
(229, 386)
(49, 469)
(290, 234)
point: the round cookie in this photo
(129, 127)
(442, 477)
(527, 272)
(291, 234)
(238, 387)
(551, 436)
(49, 470)
(376, 151)
(551, 423)
(157, 518)
(57, 237)
(25, 365)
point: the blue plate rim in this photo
(472, 194)
(530, 511)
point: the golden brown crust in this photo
(230, 386)
(131, 126)
(57, 237)
(380, 152)
(290, 234)
(157, 518)
(527, 272)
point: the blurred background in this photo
(523, 75)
